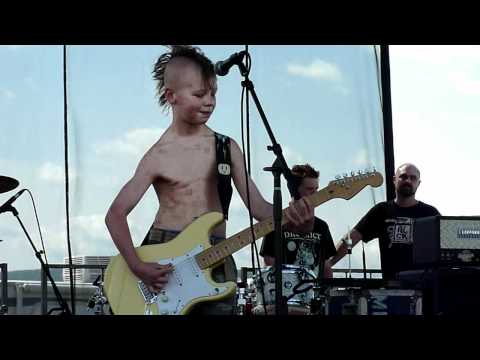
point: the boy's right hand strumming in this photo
(154, 275)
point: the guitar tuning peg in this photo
(352, 173)
(374, 170)
(337, 177)
(359, 172)
(345, 175)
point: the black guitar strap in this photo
(224, 167)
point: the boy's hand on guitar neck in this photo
(154, 275)
(300, 215)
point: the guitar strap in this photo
(224, 184)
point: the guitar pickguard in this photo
(185, 283)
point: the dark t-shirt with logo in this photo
(303, 250)
(393, 226)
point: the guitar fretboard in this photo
(218, 252)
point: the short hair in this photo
(192, 53)
(302, 171)
(408, 165)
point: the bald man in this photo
(391, 222)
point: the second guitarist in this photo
(309, 250)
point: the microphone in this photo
(223, 67)
(7, 206)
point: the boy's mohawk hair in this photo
(192, 53)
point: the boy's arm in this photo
(116, 221)
(261, 209)
(300, 213)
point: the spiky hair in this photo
(191, 53)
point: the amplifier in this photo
(446, 240)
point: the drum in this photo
(299, 294)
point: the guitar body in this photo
(193, 259)
(188, 285)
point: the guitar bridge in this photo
(149, 296)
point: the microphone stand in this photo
(349, 252)
(278, 167)
(45, 269)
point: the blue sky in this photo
(322, 103)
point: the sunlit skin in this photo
(406, 181)
(181, 166)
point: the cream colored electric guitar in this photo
(193, 258)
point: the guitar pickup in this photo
(149, 296)
(194, 267)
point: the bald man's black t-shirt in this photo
(393, 226)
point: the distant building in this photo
(85, 275)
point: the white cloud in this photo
(88, 236)
(318, 69)
(434, 140)
(91, 225)
(442, 72)
(465, 83)
(361, 158)
(7, 94)
(12, 47)
(31, 83)
(292, 157)
(435, 55)
(134, 143)
(53, 173)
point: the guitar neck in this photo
(229, 246)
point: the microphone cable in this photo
(44, 251)
(247, 168)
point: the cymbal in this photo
(7, 184)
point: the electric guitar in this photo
(193, 258)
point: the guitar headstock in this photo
(348, 186)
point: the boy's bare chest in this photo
(188, 162)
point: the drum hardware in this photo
(296, 291)
(350, 307)
(260, 291)
(318, 305)
(245, 300)
(7, 184)
(98, 300)
(294, 279)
